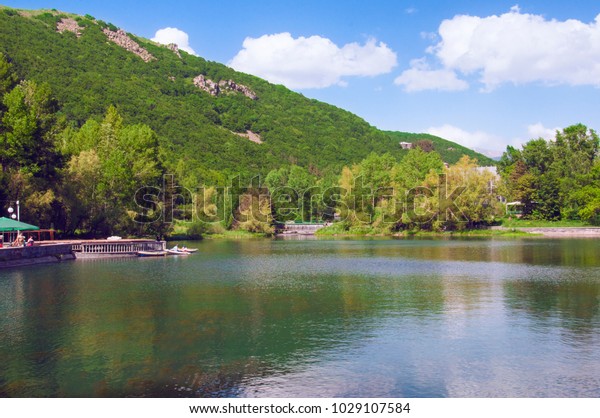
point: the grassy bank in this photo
(237, 234)
(337, 230)
(190, 232)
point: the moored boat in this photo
(151, 253)
(177, 252)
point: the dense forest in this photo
(98, 140)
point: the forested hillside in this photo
(87, 73)
(102, 133)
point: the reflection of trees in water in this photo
(534, 251)
(110, 336)
(560, 252)
(28, 347)
(574, 303)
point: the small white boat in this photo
(177, 252)
(151, 253)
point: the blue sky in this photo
(484, 74)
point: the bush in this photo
(48, 18)
(196, 230)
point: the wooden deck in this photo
(118, 248)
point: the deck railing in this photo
(125, 247)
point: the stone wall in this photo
(21, 256)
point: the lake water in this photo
(310, 318)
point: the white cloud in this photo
(513, 47)
(478, 140)
(313, 62)
(167, 36)
(537, 130)
(419, 77)
(521, 48)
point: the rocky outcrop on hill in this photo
(254, 137)
(71, 25)
(230, 85)
(120, 38)
(207, 85)
(224, 86)
(175, 49)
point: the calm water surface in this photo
(287, 318)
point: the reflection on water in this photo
(364, 318)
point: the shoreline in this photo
(557, 232)
(492, 232)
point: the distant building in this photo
(406, 145)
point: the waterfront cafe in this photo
(9, 228)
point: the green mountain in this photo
(212, 122)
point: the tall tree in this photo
(110, 162)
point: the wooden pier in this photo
(118, 248)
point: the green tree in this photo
(28, 130)
(464, 197)
(8, 78)
(112, 162)
(575, 150)
(414, 167)
(29, 160)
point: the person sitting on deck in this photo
(19, 241)
(30, 241)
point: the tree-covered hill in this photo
(197, 122)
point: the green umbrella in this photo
(7, 225)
